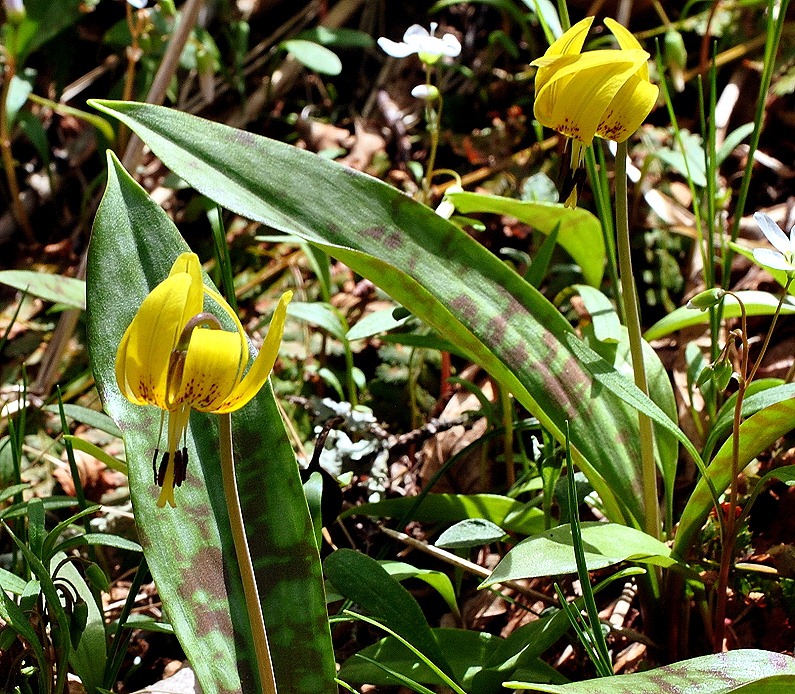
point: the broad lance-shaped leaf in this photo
(580, 233)
(749, 671)
(757, 433)
(189, 549)
(431, 267)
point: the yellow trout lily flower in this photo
(176, 357)
(604, 92)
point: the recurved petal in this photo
(395, 49)
(628, 109)
(576, 97)
(147, 344)
(773, 232)
(211, 366)
(263, 364)
(572, 40)
(626, 41)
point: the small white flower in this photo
(15, 9)
(419, 40)
(425, 91)
(446, 207)
(783, 258)
(137, 4)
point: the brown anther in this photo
(180, 466)
(161, 471)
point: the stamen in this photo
(180, 466)
(154, 464)
(161, 472)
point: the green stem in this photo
(253, 606)
(733, 523)
(632, 317)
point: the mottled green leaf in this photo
(748, 671)
(189, 549)
(432, 268)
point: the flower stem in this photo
(735, 515)
(259, 635)
(632, 318)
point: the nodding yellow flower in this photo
(604, 92)
(176, 356)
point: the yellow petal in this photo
(144, 353)
(568, 46)
(210, 371)
(263, 364)
(576, 96)
(226, 308)
(627, 42)
(628, 109)
(572, 40)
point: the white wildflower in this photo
(783, 258)
(425, 44)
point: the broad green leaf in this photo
(375, 323)
(11, 582)
(471, 532)
(84, 415)
(436, 271)
(189, 549)
(56, 288)
(322, 315)
(756, 304)
(467, 651)
(314, 56)
(341, 37)
(580, 232)
(439, 581)
(748, 671)
(452, 508)
(364, 581)
(86, 447)
(606, 326)
(752, 403)
(551, 553)
(757, 433)
(520, 650)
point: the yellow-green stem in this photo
(253, 607)
(632, 317)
